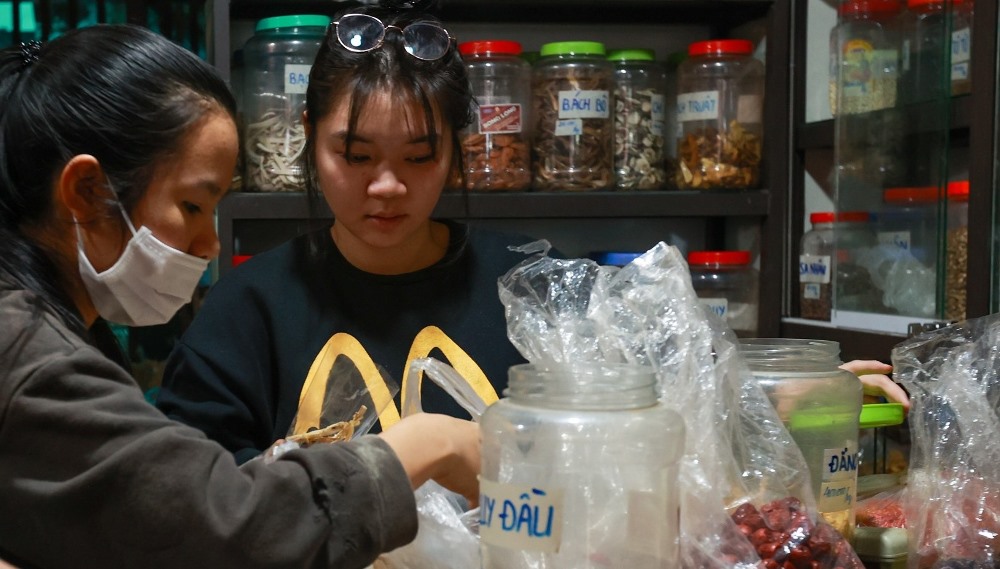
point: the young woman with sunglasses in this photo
(115, 147)
(385, 283)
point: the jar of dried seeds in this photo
(958, 250)
(639, 120)
(571, 89)
(278, 58)
(720, 107)
(495, 147)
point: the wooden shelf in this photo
(529, 205)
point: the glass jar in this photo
(864, 56)
(908, 221)
(720, 110)
(574, 132)
(926, 74)
(579, 463)
(957, 253)
(820, 404)
(639, 119)
(961, 47)
(278, 58)
(828, 257)
(495, 147)
(727, 284)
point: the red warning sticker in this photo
(495, 119)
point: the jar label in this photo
(840, 479)
(857, 62)
(812, 291)
(296, 78)
(657, 113)
(814, 269)
(698, 106)
(520, 517)
(569, 127)
(584, 105)
(496, 119)
(720, 306)
(898, 239)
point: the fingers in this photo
(881, 386)
(864, 367)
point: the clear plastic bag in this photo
(952, 498)
(740, 462)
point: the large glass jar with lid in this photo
(277, 59)
(580, 463)
(496, 147)
(720, 110)
(640, 115)
(820, 404)
(571, 89)
(864, 56)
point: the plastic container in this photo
(820, 404)
(828, 258)
(720, 109)
(908, 221)
(571, 88)
(961, 47)
(640, 120)
(580, 463)
(728, 284)
(926, 73)
(278, 58)
(496, 147)
(881, 548)
(864, 56)
(957, 250)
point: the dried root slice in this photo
(342, 431)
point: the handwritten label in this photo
(584, 105)
(899, 239)
(720, 306)
(961, 53)
(814, 269)
(296, 78)
(840, 479)
(520, 517)
(499, 119)
(812, 291)
(569, 127)
(698, 106)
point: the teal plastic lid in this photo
(573, 48)
(876, 415)
(293, 21)
(632, 55)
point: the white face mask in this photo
(147, 285)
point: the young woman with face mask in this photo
(385, 283)
(115, 147)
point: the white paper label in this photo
(900, 239)
(520, 517)
(569, 127)
(584, 105)
(698, 106)
(657, 114)
(814, 269)
(840, 479)
(296, 78)
(720, 306)
(961, 45)
(812, 291)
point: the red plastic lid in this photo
(238, 260)
(716, 47)
(922, 194)
(863, 7)
(490, 47)
(829, 216)
(959, 190)
(719, 258)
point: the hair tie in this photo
(30, 52)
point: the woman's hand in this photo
(876, 383)
(440, 448)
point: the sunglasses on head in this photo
(360, 33)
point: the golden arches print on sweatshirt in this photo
(341, 344)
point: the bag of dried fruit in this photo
(952, 498)
(746, 498)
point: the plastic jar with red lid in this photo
(720, 105)
(727, 284)
(496, 148)
(957, 246)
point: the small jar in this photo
(495, 147)
(727, 284)
(962, 17)
(908, 221)
(278, 58)
(574, 131)
(864, 56)
(820, 404)
(957, 253)
(576, 453)
(828, 258)
(639, 119)
(720, 109)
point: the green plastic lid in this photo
(293, 21)
(632, 55)
(573, 48)
(876, 415)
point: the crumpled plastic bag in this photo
(739, 458)
(952, 498)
